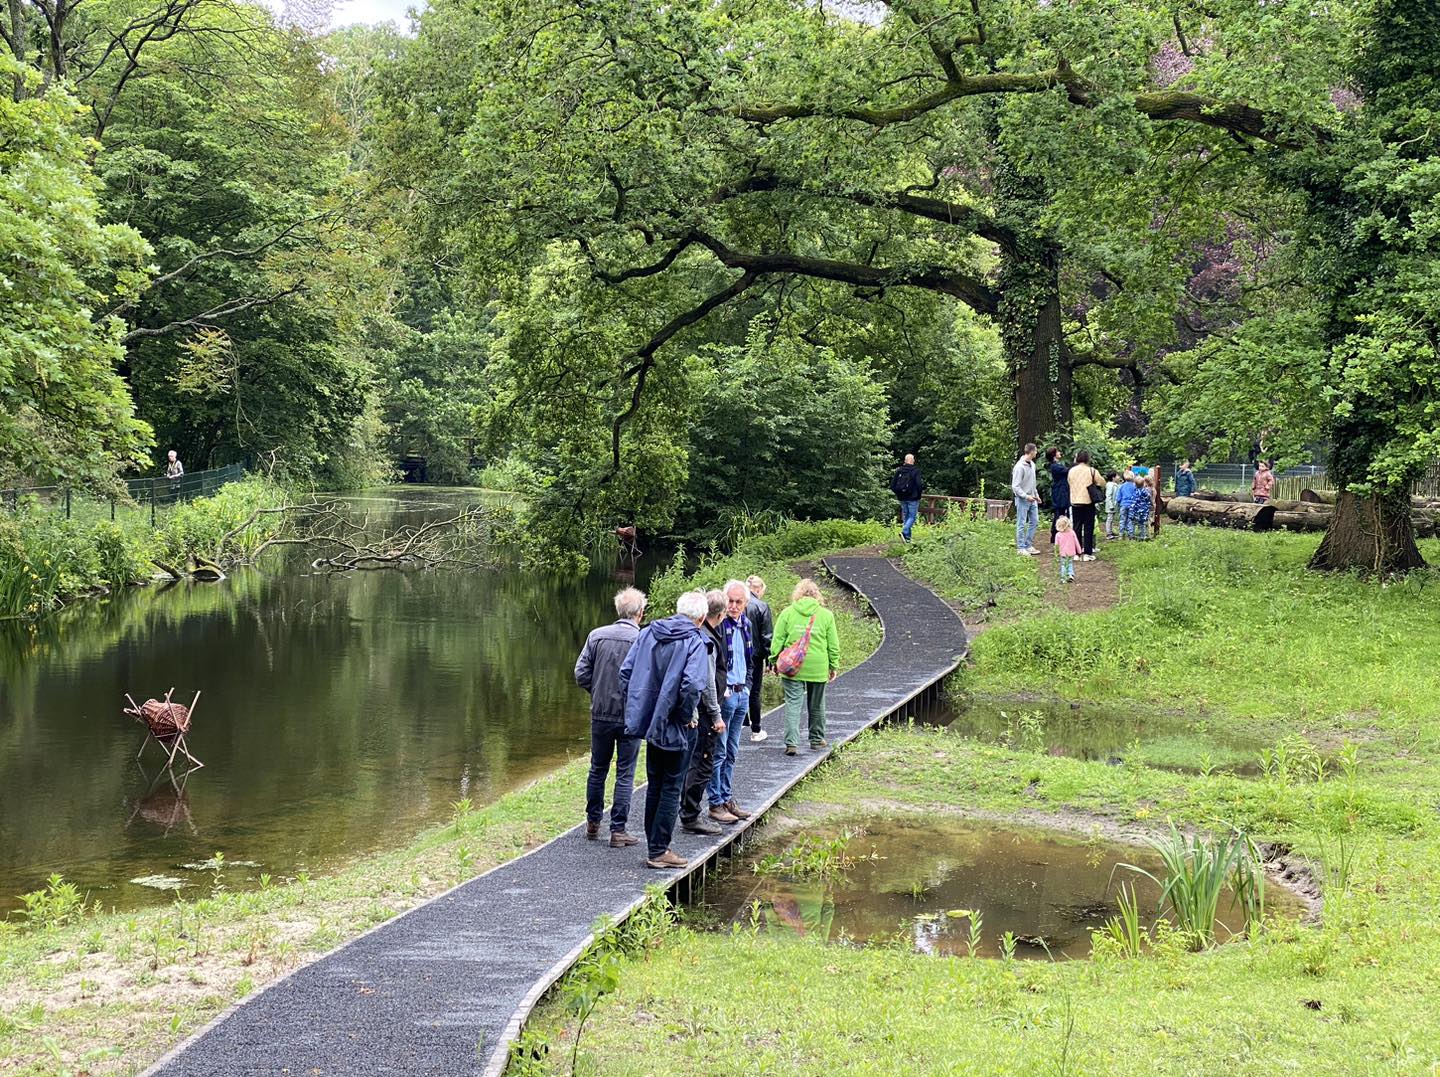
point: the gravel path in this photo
(444, 988)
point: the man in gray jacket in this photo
(1027, 500)
(598, 672)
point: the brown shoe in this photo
(789, 749)
(667, 859)
(735, 809)
(592, 830)
(619, 839)
(720, 815)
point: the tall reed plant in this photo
(1197, 871)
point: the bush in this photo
(196, 528)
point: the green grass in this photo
(973, 563)
(1221, 629)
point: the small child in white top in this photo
(1067, 545)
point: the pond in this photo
(910, 879)
(339, 715)
(1105, 734)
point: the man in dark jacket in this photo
(907, 486)
(762, 631)
(597, 670)
(662, 678)
(710, 736)
(1184, 480)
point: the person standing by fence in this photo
(907, 485)
(1263, 483)
(174, 469)
(1027, 500)
(1086, 487)
(1184, 480)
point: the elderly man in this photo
(739, 659)
(662, 678)
(709, 737)
(597, 670)
(907, 487)
(762, 629)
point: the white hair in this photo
(714, 603)
(757, 585)
(731, 585)
(629, 603)
(692, 604)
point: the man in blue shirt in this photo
(735, 705)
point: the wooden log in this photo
(1302, 521)
(1239, 497)
(1286, 505)
(1245, 515)
(1327, 497)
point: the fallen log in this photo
(1327, 497)
(1287, 505)
(1247, 516)
(1239, 497)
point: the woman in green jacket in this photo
(806, 690)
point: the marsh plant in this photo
(1126, 930)
(811, 857)
(1196, 872)
(54, 904)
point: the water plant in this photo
(1197, 871)
(460, 812)
(54, 904)
(1125, 930)
(812, 857)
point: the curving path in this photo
(446, 987)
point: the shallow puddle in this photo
(1103, 734)
(915, 883)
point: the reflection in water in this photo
(912, 879)
(1102, 734)
(340, 714)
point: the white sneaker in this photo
(758, 736)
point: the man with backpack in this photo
(907, 486)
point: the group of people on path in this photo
(1076, 493)
(687, 685)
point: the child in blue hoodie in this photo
(1122, 501)
(1140, 506)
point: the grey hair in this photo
(629, 603)
(732, 584)
(692, 604)
(715, 601)
(757, 585)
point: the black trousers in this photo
(757, 675)
(1084, 519)
(702, 766)
(665, 771)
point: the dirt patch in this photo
(1096, 586)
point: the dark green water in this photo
(339, 715)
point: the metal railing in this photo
(147, 495)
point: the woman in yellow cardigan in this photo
(805, 691)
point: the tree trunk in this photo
(1031, 330)
(1374, 536)
(1239, 496)
(1220, 513)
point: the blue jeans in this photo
(1067, 567)
(665, 771)
(1125, 531)
(607, 739)
(909, 510)
(1142, 529)
(1027, 519)
(735, 708)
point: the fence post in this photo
(112, 508)
(152, 504)
(67, 502)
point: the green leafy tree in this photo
(67, 416)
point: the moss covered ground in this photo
(1221, 630)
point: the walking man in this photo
(739, 659)
(907, 485)
(597, 670)
(662, 678)
(762, 631)
(710, 735)
(1027, 500)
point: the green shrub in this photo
(973, 562)
(807, 538)
(197, 527)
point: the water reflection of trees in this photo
(337, 709)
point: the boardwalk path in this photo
(444, 988)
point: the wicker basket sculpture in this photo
(167, 722)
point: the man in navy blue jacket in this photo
(662, 677)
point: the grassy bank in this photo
(47, 560)
(1222, 629)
